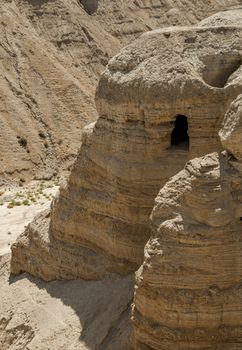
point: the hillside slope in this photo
(52, 53)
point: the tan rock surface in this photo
(188, 293)
(231, 133)
(48, 76)
(126, 19)
(67, 315)
(52, 53)
(100, 222)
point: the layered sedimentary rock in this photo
(126, 19)
(52, 53)
(231, 133)
(189, 293)
(160, 103)
(49, 67)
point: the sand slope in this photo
(63, 315)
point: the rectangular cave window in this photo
(179, 135)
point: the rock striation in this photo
(231, 133)
(125, 20)
(52, 54)
(188, 293)
(160, 102)
(188, 290)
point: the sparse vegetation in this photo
(35, 195)
(10, 205)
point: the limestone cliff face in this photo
(188, 293)
(126, 19)
(160, 103)
(52, 53)
(231, 133)
(50, 61)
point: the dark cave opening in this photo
(179, 135)
(90, 6)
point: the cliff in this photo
(52, 54)
(161, 102)
(159, 105)
(188, 290)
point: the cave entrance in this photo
(179, 135)
(90, 6)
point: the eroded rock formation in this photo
(52, 53)
(231, 133)
(189, 293)
(160, 102)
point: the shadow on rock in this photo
(103, 308)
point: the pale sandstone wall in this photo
(126, 19)
(188, 292)
(128, 156)
(102, 215)
(230, 134)
(52, 54)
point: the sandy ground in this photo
(13, 220)
(58, 315)
(63, 315)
